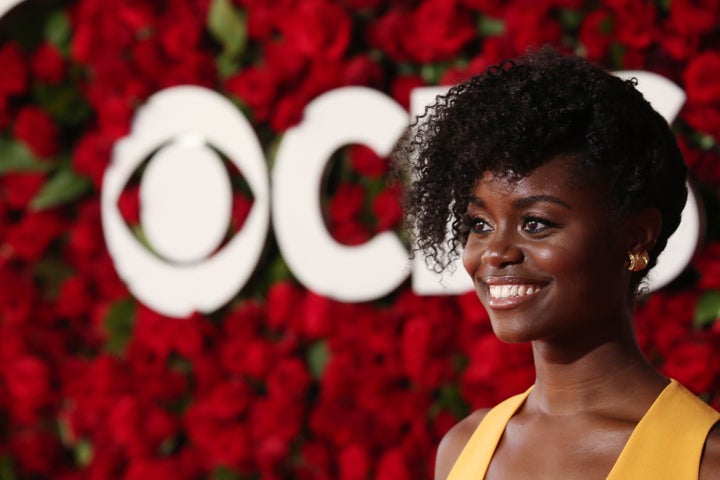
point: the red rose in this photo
(366, 162)
(47, 64)
(346, 203)
(393, 466)
(520, 27)
(354, 463)
(318, 29)
(28, 382)
(708, 264)
(363, 4)
(282, 298)
(701, 78)
(387, 209)
(694, 363)
(350, 232)
(361, 70)
(260, 21)
(288, 113)
(38, 453)
(596, 34)
(37, 130)
(439, 30)
(139, 428)
(91, 155)
(289, 380)
(496, 371)
(4, 113)
(384, 33)
(74, 298)
(635, 24)
(477, 65)
(257, 88)
(252, 358)
(14, 80)
(700, 16)
(114, 115)
(416, 339)
(20, 188)
(402, 87)
(282, 59)
(180, 36)
(168, 468)
(491, 8)
(129, 205)
(681, 44)
(17, 297)
(240, 210)
(704, 118)
(31, 236)
(193, 68)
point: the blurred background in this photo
(276, 381)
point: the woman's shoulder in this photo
(710, 464)
(454, 441)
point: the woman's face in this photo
(546, 258)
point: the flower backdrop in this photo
(282, 382)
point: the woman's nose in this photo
(500, 250)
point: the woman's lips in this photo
(505, 294)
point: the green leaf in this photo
(228, 25)
(224, 473)
(64, 187)
(50, 272)
(227, 65)
(279, 271)
(57, 30)
(317, 357)
(64, 103)
(16, 157)
(119, 323)
(83, 453)
(432, 72)
(707, 310)
(451, 399)
(7, 472)
(705, 142)
(491, 27)
(570, 19)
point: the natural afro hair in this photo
(515, 116)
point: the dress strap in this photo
(475, 458)
(667, 443)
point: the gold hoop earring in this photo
(638, 261)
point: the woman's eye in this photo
(478, 225)
(536, 225)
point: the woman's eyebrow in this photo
(525, 202)
(533, 199)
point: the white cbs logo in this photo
(186, 200)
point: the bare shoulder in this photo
(454, 441)
(710, 465)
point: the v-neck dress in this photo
(666, 444)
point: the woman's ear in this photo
(643, 228)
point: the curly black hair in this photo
(517, 115)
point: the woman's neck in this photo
(597, 375)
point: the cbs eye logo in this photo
(186, 199)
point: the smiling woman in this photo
(562, 186)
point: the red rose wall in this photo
(281, 382)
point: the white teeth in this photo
(507, 291)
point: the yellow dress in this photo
(666, 444)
